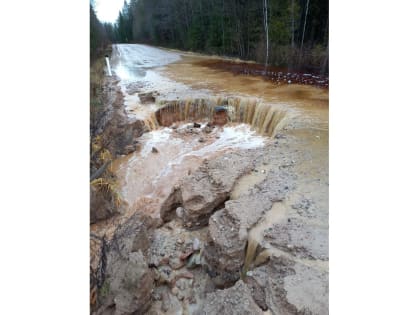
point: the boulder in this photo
(128, 281)
(101, 207)
(206, 189)
(147, 98)
(132, 285)
(228, 235)
(290, 286)
(229, 227)
(300, 238)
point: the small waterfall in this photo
(255, 236)
(264, 118)
(251, 250)
(151, 122)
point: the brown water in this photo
(180, 81)
(146, 178)
(275, 215)
(263, 118)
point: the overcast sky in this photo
(107, 10)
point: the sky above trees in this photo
(107, 10)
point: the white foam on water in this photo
(234, 137)
(154, 138)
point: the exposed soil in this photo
(222, 213)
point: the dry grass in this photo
(109, 188)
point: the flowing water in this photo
(147, 178)
(188, 89)
(255, 236)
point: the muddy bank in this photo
(113, 124)
(113, 134)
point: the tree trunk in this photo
(293, 24)
(265, 9)
(303, 33)
(325, 62)
(304, 26)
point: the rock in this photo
(196, 244)
(194, 261)
(300, 238)
(128, 281)
(176, 264)
(201, 139)
(164, 274)
(164, 261)
(180, 241)
(257, 292)
(220, 116)
(229, 227)
(236, 300)
(147, 98)
(179, 212)
(101, 206)
(208, 187)
(290, 287)
(165, 301)
(175, 290)
(186, 255)
(97, 266)
(225, 251)
(132, 285)
(113, 124)
(208, 129)
(154, 150)
(186, 274)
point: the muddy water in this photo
(310, 104)
(146, 178)
(255, 236)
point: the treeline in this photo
(296, 30)
(98, 36)
(101, 34)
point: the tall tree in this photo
(265, 8)
(304, 26)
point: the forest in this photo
(286, 33)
